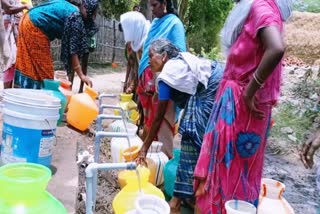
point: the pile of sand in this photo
(302, 36)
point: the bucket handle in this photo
(54, 135)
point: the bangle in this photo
(257, 80)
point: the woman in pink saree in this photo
(231, 158)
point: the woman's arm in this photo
(274, 49)
(161, 110)
(77, 68)
(13, 9)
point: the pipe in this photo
(103, 134)
(104, 106)
(101, 96)
(91, 173)
(106, 116)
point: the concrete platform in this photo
(64, 182)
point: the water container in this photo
(240, 207)
(271, 199)
(150, 204)
(118, 145)
(129, 106)
(82, 109)
(23, 190)
(65, 88)
(29, 126)
(53, 87)
(125, 174)
(125, 200)
(156, 161)
(170, 172)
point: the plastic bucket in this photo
(150, 204)
(240, 207)
(29, 125)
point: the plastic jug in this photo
(65, 88)
(156, 161)
(129, 106)
(82, 109)
(53, 87)
(271, 199)
(118, 145)
(125, 174)
(125, 200)
(23, 190)
(170, 172)
(240, 207)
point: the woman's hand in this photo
(251, 104)
(308, 150)
(86, 80)
(200, 189)
(141, 159)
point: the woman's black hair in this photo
(170, 7)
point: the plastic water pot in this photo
(23, 190)
(82, 109)
(53, 87)
(271, 199)
(126, 198)
(170, 172)
(240, 207)
(156, 160)
(29, 126)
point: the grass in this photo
(291, 116)
(307, 5)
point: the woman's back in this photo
(247, 51)
(51, 16)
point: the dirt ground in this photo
(302, 36)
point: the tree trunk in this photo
(182, 9)
(146, 10)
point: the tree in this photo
(114, 8)
(203, 20)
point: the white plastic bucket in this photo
(240, 207)
(29, 125)
(150, 204)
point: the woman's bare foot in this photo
(175, 205)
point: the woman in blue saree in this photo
(168, 26)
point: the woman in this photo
(166, 25)
(191, 84)
(135, 28)
(7, 57)
(57, 19)
(231, 158)
(11, 22)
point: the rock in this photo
(292, 138)
(314, 97)
(295, 102)
(286, 130)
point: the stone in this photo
(292, 138)
(314, 97)
(286, 130)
